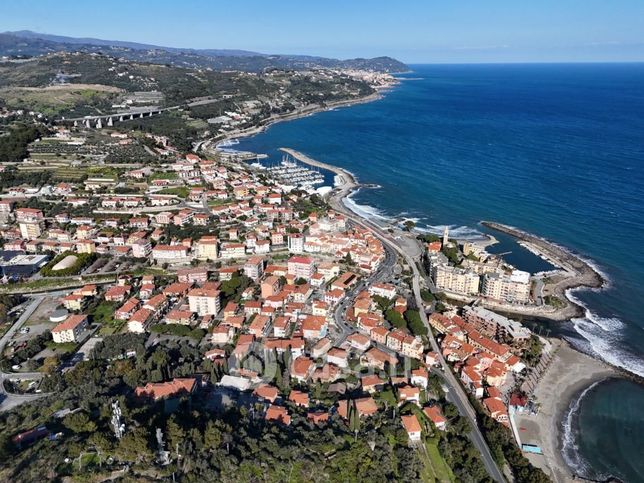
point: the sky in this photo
(414, 31)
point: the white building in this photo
(70, 329)
(204, 301)
(170, 254)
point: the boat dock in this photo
(289, 172)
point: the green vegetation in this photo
(432, 457)
(163, 175)
(233, 288)
(503, 448)
(428, 238)
(180, 191)
(117, 346)
(427, 296)
(178, 330)
(33, 346)
(452, 254)
(13, 146)
(58, 283)
(415, 323)
(103, 313)
(395, 319)
(409, 225)
(63, 347)
(554, 301)
(228, 445)
(532, 354)
(13, 177)
(310, 204)
(82, 261)
(60, 99)
(383, 302)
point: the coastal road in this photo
(457, 393)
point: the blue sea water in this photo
(557, 150)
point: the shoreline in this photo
(560, 387)
(571, 269)
(569, 375)
(298, 114)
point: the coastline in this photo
(572, 272)
(299, 113)
(570, 374)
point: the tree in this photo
(409, 225)
(174, 432)
(79, 422)
(383, 302)
(395, 319)
(415, 323)
(212, 436)
(50, 364)
(354, 417)
(134, 446)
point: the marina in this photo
(291, 173)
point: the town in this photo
(163, 292)
(296, 309)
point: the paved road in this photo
(383, 272)
(9, 400)
(456, 391)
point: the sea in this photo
(554, 149)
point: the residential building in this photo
(204, 301)
(70, 329)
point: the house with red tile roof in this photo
(372, 383)
(70, 329)
(412, 426)
(317, 417)
(278, 414)
(435, 415)
(375, 357)
(301, 368)
(299, 398)
(408, 393)
(266, 392)
(497, 410)
(162, 390)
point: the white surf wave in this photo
(589, 261)
(365, 211)
(604, 337)
(462, 232)
(570, 449)
(606, 323)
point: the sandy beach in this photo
(569, 374)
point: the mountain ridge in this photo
(26, 43)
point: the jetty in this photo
(573, 271)
(345, 180)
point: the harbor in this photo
(289, 172)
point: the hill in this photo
(25, 43)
